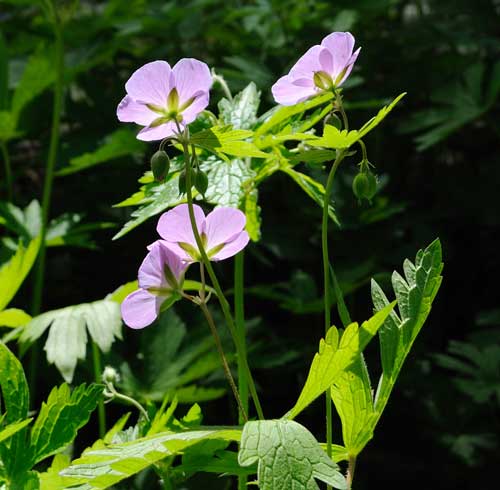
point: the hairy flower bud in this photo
(182, 182)
(160, 165)
(200, 182)
(364, 185)
(110, 375)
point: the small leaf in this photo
(11, 429)
(13, 318)
(288, 456)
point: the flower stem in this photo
(8, 170)
(327, 293)
(215, 283)
(239, 316)
(350, 471)
(49, 177)
(96, 357)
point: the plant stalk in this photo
(350, 471)
(8, 170)
(101, 412)
(215, 283)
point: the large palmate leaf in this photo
(60, 417)
(339, 139)
(288, 456)
(241, 111)
(336, 353)
(351, 392)
(13, 273)
(102, 465)
(119, 143)
(68, 327)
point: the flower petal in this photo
(150, 84)
(131, 111)
(307, 64)
(191, 113)
(155, 133)
(287, 92)
(233, 247)
(349, 66)
(140, 308)
(222, 225)
(191, 77)
(175, 226)
(340, 45)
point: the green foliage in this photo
(288, 456)
(13, 273)
(68, 327)
(13, 317)
(11, 429)
(336, 353)
(241, 111)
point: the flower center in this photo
(322, 80)
(172, 111)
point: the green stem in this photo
(101, 412)
(215, 283)
(8, 170)
(239, 316)
(47, 187)
(327, 293)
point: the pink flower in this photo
(323, 67)
(161, 275)
(222, 232)
(158, 95)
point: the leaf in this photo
(11, 429)
(119, 294)
(313, 157)
(67, 339)
(252, 210)
(119, 143)
(4, 73)
(288, 456)
(14, 387)
(103, 465)
(60, 417)
(241, 112)
(13, 318)
(339, 139)
(335, 356)
(223, 140)
(313, 189)
(13, 273)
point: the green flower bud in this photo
(364, 185)
(160, 165)
(182, 182)
(200, 182)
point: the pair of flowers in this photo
(161, 273)
(163, 99)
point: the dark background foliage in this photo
(436, 156)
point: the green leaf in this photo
(13, 273)
(335, 355)
(67, 339)
(14, 386)
(251, 209)
(60, 417)
(288, 456)
(313, 157)
(313, 189)
(120, 143)
(241, 112)
(13, 318)
(103, 465)
(337, 139)
(119, 294)
(11, 429)
(223, 140)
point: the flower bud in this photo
(160, 165)
(182, 182)
(200, 182)
(364, 185)
(110, 375)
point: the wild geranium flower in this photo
(159, 96)
(222, 232)
(323, 67)
(161, 275)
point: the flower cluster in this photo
(161, 274)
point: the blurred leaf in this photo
(288, 456)
(4, 73)
(13, 273)
(13, 318)
(67, 339)
(119, 143)
(335, 355)
(60, 417)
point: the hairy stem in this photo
(8, 170)
(96, 358)
(239, 316)
(215, 283)
(350, 471)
